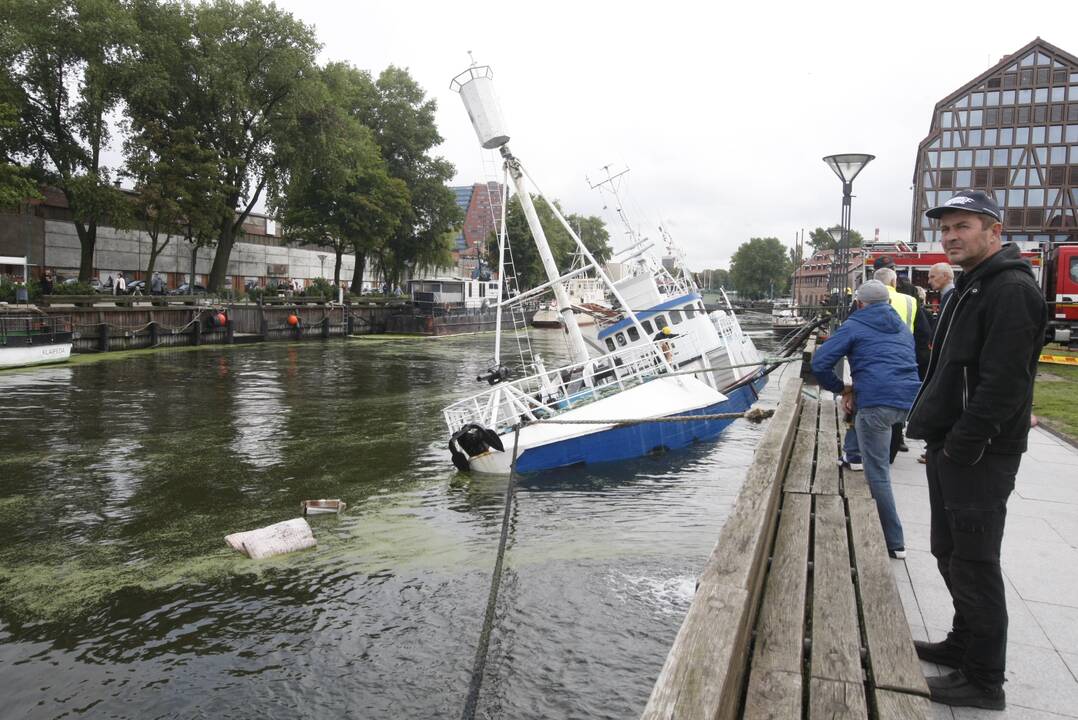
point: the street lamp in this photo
(847, 166)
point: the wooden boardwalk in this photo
(797, 613)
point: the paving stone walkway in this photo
(1040, 567)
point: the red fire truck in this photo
(1055, 266)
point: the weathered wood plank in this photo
(830, 700)
(775, 696)
(702, 674)
(854, 485)
(799, 474)
(780, 631)
(890, 648)
(826, 479)
(900, 706)
(836, 640)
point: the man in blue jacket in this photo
(883, 363)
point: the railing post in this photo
(325, 325)
(196, 328)
(153, 333)
(351, 324)
(103, 337)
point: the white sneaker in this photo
(854, 466)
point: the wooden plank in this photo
(900, 706)
(799, 474)
(830, 700)
(836, 638)
(826, 480)
(776, 695)
(890, 648)
(701, 677)
(780, 631)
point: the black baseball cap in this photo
(973, 201)
(883, 261)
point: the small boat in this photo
(34, 339)
(659, 375)
(322, 507)
(785, 317)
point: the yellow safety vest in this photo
(904, 305)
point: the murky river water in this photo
(118, 597)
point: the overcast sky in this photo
(722, 112)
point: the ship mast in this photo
(476, 88)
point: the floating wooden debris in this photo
(322, 507)
(276, 539)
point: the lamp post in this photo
(847, 166)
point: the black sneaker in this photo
(957, 690)
(941, 653)
(903, 448)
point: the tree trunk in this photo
(88, 242)
(220, 257)
(338, 251)
(357, 273)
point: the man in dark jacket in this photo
(879, 348)
(973, 412)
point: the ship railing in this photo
(551, 393)
(29, 327)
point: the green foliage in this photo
(331, 187)
(760, 268)
(320, 287)
(60, 66)
(76, 288)
(529, 267)
(713, 279)
(8, 288)
(820, 239)
(16, 183)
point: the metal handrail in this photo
(550, 393)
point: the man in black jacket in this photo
(973, 412)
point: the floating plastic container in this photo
(476, 88)
(282, 537)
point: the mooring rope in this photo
(754, 415)
(495, 581)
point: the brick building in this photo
(482, 206)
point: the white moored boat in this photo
(34, 339)
(660, 358)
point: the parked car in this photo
(94, 283)
(183, 290)
(136, 287)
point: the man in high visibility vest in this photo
(904, 305)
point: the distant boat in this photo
(34, 339)
(587, 297)
(785, 317)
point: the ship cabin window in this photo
(634, 334)
(660, 322)
(610, 344)
(690, 311)
(675, 317)
(646, 324)
(621, 339)
(482, 290)
(469, 286)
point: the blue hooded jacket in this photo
(883, 363)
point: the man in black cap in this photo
(973, 410)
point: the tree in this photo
(402, 119)
(821, 239)
(529, 268)
(760, 267)
(59, 64)
(16, 184)
(713, 279)
(228, 72)
(331, 187)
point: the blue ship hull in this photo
(635, 441)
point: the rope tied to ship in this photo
(754, 415)
(479, 666)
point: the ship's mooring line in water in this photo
(495, 581)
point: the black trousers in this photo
(969, 510)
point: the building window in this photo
(946, 179)
(980, 178)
